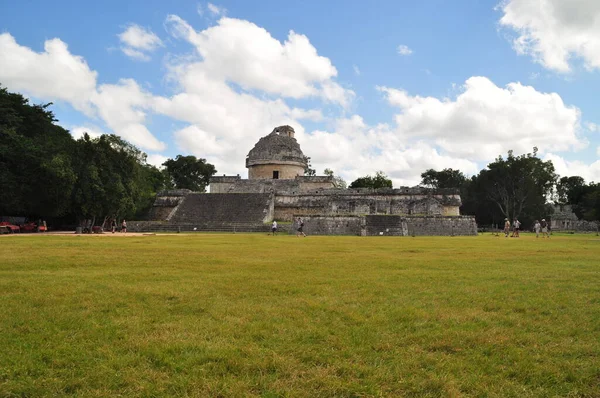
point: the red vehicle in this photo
(10, 227)
(32, 227)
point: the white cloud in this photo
(135, 54)
(356, 70)
(122, 106)
(566, 168)
(140, 38)
(78, 131)
(354, 149)
(485, 120)
(156, 159)
(592, 127)
(223, 124)
(404, 50)
(138, 41)
(555, 31)
(54, 74)
(216, 10)
(240, 52)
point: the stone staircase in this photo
(224, 212)
(223, 209)
(386, 225)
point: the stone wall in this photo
(383, 225)
(362, 202)
(265, 171)
(441, 226)
(234, 184)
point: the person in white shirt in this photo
(537, 227)
(274, 227)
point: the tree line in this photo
(46, 173)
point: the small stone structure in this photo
(277, 190)
(563, 219)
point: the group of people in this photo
(516, 228)
(543, 227)
(299, 227)
(113, 226)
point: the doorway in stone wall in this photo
(275, 174)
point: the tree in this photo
(518, 185)
(379, 181)
(338, 182)
(308, 170)
(187, 172)
(36, 177)
(447, 178)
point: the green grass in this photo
(254, 315)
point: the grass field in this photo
(253, 315)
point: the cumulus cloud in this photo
(138, 41)
(122, 107)
(54, 74)
(566, 168)
(156, 159)
(404, 50)
(555, 31)
(240, 52)
(354, 149)
(485, 120)
(223, 124)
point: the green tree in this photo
(379, 181)
(187, 172)
(338, 182)
(447, 178)
(36, 176)
(113, 179)
(308, 170)
(518, 186)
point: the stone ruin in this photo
(277, 189)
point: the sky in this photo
(398, 86)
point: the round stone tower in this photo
(276, 156)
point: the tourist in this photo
(274, 227)
(516, 228)
(506, 227)
(545, 229)
(124, 226)
(113, 225)
(536, 227)
(300, 228)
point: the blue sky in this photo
(398, 86)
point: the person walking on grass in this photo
(113, 225)
(124, 226)
(300, 229)
(536, 227)
(274, 227)
(545, 229)
(506, 227)
(516, 228)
